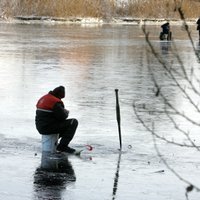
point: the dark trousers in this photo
(67, 131)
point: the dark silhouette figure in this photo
(198, 27)
(166, 33)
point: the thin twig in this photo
(171, 169)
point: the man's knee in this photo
(75, 122)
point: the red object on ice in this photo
(89, 147)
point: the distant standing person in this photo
(198, 27)
(52, 118)
(165, 31)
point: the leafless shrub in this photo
(185, 80)
(162, 9)
(58, 8)
(98, 8)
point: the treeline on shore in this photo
(105, 9)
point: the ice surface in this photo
(91, 62)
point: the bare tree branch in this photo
(170, 168)
(186, 82)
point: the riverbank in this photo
(99, 21)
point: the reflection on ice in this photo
(116, 177)
(52, 177)
(165, 46)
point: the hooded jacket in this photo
(50, 111)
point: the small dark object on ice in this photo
(157, 92)
(189, 188)
(160, 171)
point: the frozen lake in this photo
(91, 62)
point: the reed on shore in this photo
(104, 9)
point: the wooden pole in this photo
(118, 118)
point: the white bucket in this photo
(49, 142)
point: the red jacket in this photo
(47, 102)
(49, 114)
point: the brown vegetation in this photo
(58, 8)
(99, 8)
(163, 9)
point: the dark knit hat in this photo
(59, 92)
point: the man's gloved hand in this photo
(66, 112)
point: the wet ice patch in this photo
(22, 145)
